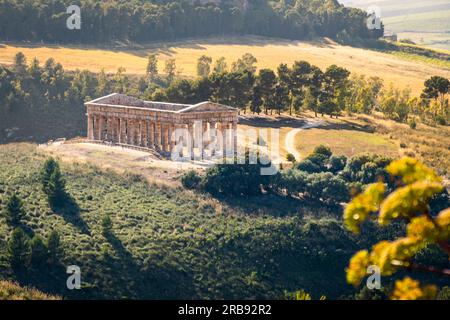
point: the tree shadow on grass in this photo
(273, 204)
(70, 211)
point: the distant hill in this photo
(425, 22)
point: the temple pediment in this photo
(123, 101)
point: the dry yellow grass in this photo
(269, 52)
(12, 291)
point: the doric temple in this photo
(127, 121)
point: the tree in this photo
(436, 88)
(246, 63)
(47, 170)
(310, 101)
(18, 249)
(106, 225)
(56, 189)
(39, 251)
(170, 69)
(54, 247)
(14, 211)
(267, 81)
(220, 66)
(152, 67)
(417, 184)
(204, 66)
(20, 63)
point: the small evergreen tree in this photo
(46, 172)
(54, 247)
(56, 191)
(39, 252)
(14, 211)
(18, 249)
(106, 225)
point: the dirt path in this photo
(290, 137)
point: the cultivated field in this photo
(269, 52)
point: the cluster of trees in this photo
(49, 91)
(25, 252)
(139, 20)
(321, 177)
(304, 87)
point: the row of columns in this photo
(160, 135)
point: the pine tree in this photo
(39, 251)
(46, 172)
(19, 249)
(56, 191)
(54, 247)
(106, 225)
(14, 211)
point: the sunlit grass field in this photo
(269, 52)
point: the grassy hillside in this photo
(12, 291)
(425, 22)
(170, 243)
(269, 52)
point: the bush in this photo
(290, 157)
(310, 167)
(323, 150)
(237, 179)
(337, 163)
(440, 120)
(412, 124)
(191, 180)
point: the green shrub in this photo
(412, 124)
(440, 120)
(290, 157)
(191, 180)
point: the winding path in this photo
(290, 137)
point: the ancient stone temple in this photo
(127, 121)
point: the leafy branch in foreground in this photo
(417, 184)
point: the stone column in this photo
(171, 137)
(205, 138)
(151, 132)
(234, 137)
(96, 131)
(165, 137)
(109, 129)
(101, 128)
(158, 136)
(190, 140)
(90, 127)
(122, 131)
(223, 128)
(130, 132)
(117, 129)
(213, 137)
(144, 133)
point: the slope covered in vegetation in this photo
(164, 20)
(172, 243)
(12, 291)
